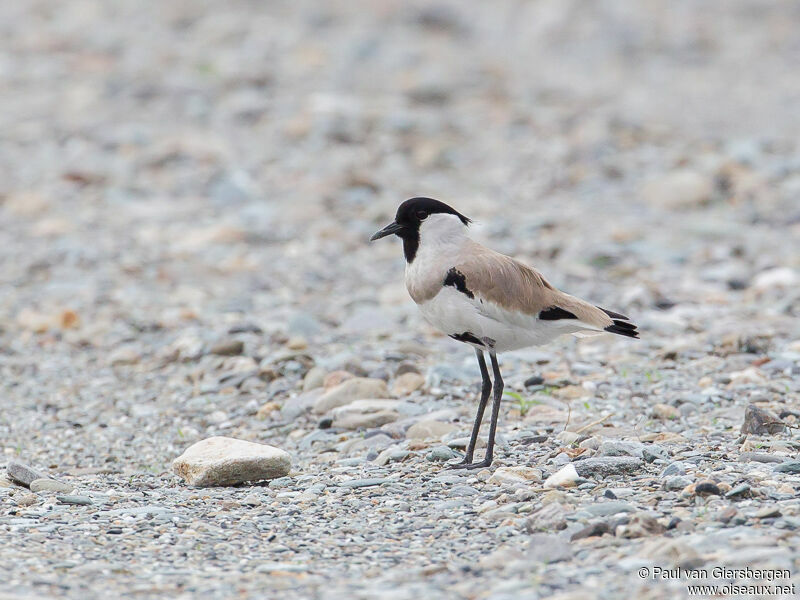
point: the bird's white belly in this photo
(453, 313)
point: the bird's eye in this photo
(422, 215)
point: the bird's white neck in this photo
(441, 240)
(442, 235)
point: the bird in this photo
(486, 300)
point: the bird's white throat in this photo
(441, 240)
(442, 233)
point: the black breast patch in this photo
(456, 279)
(471, 338)
(554, 313)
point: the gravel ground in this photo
(186, 191)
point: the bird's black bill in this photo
(391, 228)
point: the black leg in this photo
(498, 397)
(485, 389)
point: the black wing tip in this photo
(623, 328)
(612, 314)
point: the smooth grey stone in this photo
(148, 509)
(447, 505)
(281, 482)
(654, 452)
(77, 500)
(676, 483)
(620, 448)
(441, 454)
(675, 468)
(788, 523)
(742, 488)
(593, 529)
(448, 479)
(762, 457)
(51, 485)
(604, 509)
(463, 490)
(548, 548)
(790, 466)
(298, 405)
(23, 474)
(560, 459)
(606, 465)
(359, 483)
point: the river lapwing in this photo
(485, 299)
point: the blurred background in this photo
(169, 171)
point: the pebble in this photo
(654, 452)
(790, 466)
(605, 509)
(314, 379)
(738, 490)
(75, 500)
(230, 347)
(391, 455)
(565, 477)
(767, 512)
(251, 500)
(51, 485)
(760, 421)
(551, 517)
(606, 466)
(515, 476)
(220, 461)
(593, 529)
(357, 388)
(548, 548)
(334, 378)
(640, 525)
(368, 482)
(674, 468)
(26, 499)
(676, 482)
(365, 414)
(620, 448)
(726, 514)
(706, 487)
(567, 437)
(22, 473)
(407, 383)
(761, 457)
(441, 454)
(125, 355)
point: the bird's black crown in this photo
(415, 210)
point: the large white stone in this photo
(227, 461)
(566, 477)
(357, 388)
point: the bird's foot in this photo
(469, 465)
(459, 465)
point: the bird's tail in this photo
(621, 324)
